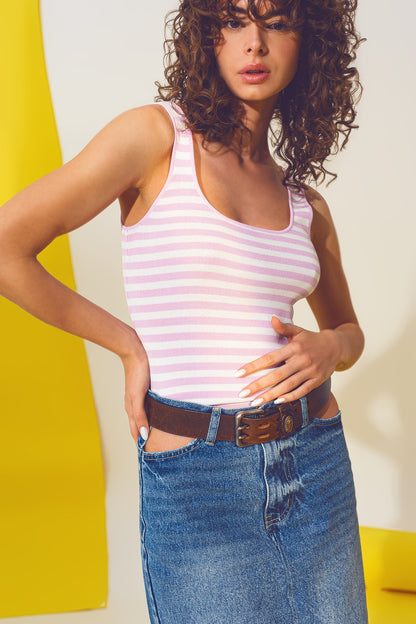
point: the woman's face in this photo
(257, 59)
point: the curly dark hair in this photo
(315, 113)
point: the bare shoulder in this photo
(131, 145)
(323, 227)
(317, 201)
(146, 127)
(151, 118)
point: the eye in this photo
(279, 25)
(232, 24)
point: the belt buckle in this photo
(239, 428)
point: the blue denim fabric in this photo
(265, 534)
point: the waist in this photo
(244, 425)
(203, 371)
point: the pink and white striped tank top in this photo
(202, 288)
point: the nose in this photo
(255, 42)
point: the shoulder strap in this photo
(301, 209)
(176, 114)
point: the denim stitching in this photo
(283, 515)
(266, 504)
(150, 592)
(289, 580)
(192, 446)
(327, 422)
(213, 426)
(289, 585)
(270, 519)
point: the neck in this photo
(257, 119)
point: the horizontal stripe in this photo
(175, 185)
(201, 368)
(250, 262)
(215, 319)
(159, 317)
(153, 332)
(201, 287)
(194, 240)
(182, 155)
(267, 269)
(159, 282)
(216, 336)
(209, 385)
(209, 285)
(209, 359)
(235, 226)
(207, 342)
(216, 375)
(214, 220)
(194, 306)
(198, 396)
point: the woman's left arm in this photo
(311, 357)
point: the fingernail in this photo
(279, 400)
(244, 393)
(256, 402)
(240, 372)
(144, 433)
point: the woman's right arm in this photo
(121, 156)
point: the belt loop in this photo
(213, 426)
(305, 414)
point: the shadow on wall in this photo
(383, 419)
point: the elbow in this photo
(360, 338)
(353, 342)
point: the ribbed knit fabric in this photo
(202, 288)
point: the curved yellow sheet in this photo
(53, 554)
(390, 575)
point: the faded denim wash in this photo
(266, 534)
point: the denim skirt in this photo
(265, 534)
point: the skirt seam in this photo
(145, 560)
(288, 578)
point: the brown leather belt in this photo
(246, 426)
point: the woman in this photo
(247, 499)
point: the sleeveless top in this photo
(201, 287)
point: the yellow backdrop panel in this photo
(53, 554)
(390, 575)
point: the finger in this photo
(300, 391)
(136, 432)
(285, 329)
(291, 389)
(138, 422)
(269, 360)
(272, 379)
(133, 430)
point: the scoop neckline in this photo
(230, 219)
(174, 112)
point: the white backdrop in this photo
(103, 57)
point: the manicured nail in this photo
(279, 400)
(256, 402)
(240, 372)
(244, 393)
(144, 433)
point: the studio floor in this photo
(117, 614)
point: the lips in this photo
(255, 69)
(254, 73)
